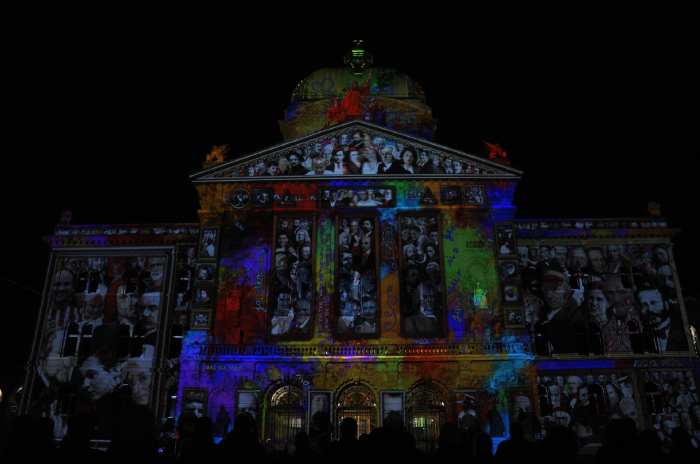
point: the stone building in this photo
(360, 269)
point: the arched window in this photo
(357, 401)
(286, 416)
(426, 407)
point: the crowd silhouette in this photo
(135, 440)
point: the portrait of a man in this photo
(421, 282)
(319, 402)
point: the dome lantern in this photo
(358, 59)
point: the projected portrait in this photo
(585, 401)
(614, 321)
(205, 273)
(354, 152)
(450, 195)
(618, 298)
(203, 296)
(262, 197)
(292, 295)
(505, 240)
(421, 279)
(481, 410)
(195, 402)
(358, 198)
(319, 403)
(357, 296)
(474, 195)
(100, 330)
(247, 402)
(510, 279)
(208, 244)
(672, 401)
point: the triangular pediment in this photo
(355, 149)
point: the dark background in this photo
(602, 119)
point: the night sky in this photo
(602, 121)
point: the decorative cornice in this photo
(363, 350)
(592, 228)
(105, 235)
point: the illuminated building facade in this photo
(360, 269)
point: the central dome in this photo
(380, 95)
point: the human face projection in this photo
(583, 395)
(319, 403)
(93, 307)
(614, 253)
(63, 287)
(578, 258)
(139, 380)
(595, 256)
(555, 290)
(387, 156)
(99, 381)
(599, 306)
(560, 253)
(195, 408)
(651, 302)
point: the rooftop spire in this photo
(358, 59)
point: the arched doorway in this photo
(357, 401)
(286, 415)
(427, 411)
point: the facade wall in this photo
(623, 312)
(474, 356)
(544, 322)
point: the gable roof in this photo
(315, 150)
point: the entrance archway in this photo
(286, 416)
(427, 412)
(357, 401)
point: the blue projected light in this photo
(575, 364)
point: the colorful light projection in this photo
(379, 95)
(460, 229)
(465, 239)
(470, 274)
(224, 376)
(242, 304)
